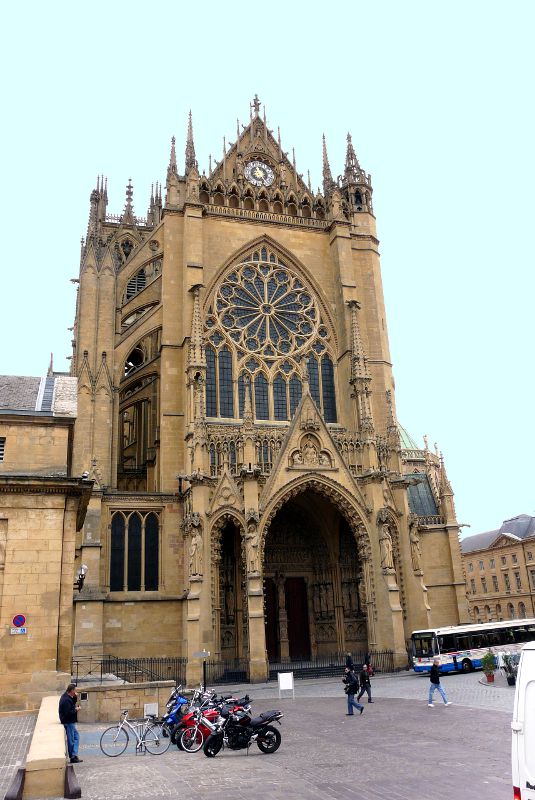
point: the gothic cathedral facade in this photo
(254, 495)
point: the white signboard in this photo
(286, 682)
(150, 708)
(14, 631)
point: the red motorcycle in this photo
(199, 723)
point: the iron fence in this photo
(99, 668)
(327, 666)
(234, 670)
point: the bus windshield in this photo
(424, 644)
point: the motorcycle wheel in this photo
(269, 741)
(191, 740)
(175, 737)
(213, 745)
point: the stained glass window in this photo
(261, 397)
(211, 394)
(226, 404)
(327, 381)
(151, 553)
(295, 393)
(314, 378)
(232, 457)
(280, 404)
(117, 554)
(213, 467)
(134, 553)
(241, 393)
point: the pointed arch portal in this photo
(314, 583)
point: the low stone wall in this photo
(104, 703)
(46, 760)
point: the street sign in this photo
(19, 620)
(202, 654)
(14, 631)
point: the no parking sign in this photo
(19, 623)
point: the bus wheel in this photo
(467, 665)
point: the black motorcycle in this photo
(237, 731)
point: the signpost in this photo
(204, 654)
(19, 623)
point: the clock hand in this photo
(258, 172)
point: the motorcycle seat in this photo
(264, 717)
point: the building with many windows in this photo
(253, 493)
(500, 571)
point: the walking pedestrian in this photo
(365, 684)
(68, 716)
(435, 684)
(351, 681)
(349, 661)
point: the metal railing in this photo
(100, 668)
(328, 666)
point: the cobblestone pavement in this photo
(398, 749)
(15, 737)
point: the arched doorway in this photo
(313, 581)
(232, 598)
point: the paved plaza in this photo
(398, 749)
(15, 736)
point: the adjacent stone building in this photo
(500, 571)
(41, 507)
(236, 410)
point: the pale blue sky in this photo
(438, 97)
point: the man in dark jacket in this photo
(435, 684)
(365, 685)
(351, 681)
(68, 716)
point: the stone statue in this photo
(298, 458)
(416, 550)
(387, 555)
(229, 603)
(195, 554)
(325, 461)
(310, 454)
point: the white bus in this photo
(461, 647)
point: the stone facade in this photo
(237, 414)
(500, 571)
(41, 508)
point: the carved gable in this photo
(226, 494)
(308, 448)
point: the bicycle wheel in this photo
(114, 741)
(155, 742)
(192, 739)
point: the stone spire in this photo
(172, 169)
(360, 374)
(128, 213)
(352, 171)
(191, 161)
(171, 184)
(196, 356)
(447, 504)
(328, 183)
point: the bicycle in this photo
(149, 734)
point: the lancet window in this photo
(134, 551)
(266, 325)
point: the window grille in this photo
(280, 404)
(136, 283)
(2, 447)
(211, 390)
(134, 551)
(261, 397)
(226, 404)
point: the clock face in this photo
(259, 174)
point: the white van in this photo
(523, 727)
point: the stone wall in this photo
(105, 703)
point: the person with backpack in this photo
(351, 681)
(365, 684)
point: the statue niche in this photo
(310, 455)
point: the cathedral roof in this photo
(421, 498)
(407, 442)
(519, 528)
(54, 395)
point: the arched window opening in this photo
(320, 212)
(134, 361)
(280, 403)
(327, 382)
(226, 400)
(134, 553)
(232, 459)
(277, 207)
(510, 610)
(263, 205)
(211, 388)
(522, 611)
(487, 613)
(305, 209)
(213, 464)
(204, 197)
(117, 553)
(476, 613)
(314, 379)
(219, 199)
(248, 203)
(292, 209)
(296, 391)
(499, 612)
(358, 200)
(261, 397)
(151, 553)
(233, 201)
(136, 283)
(127, 246)
(265, 456)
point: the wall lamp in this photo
(80, 578)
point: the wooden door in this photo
(271, 621)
